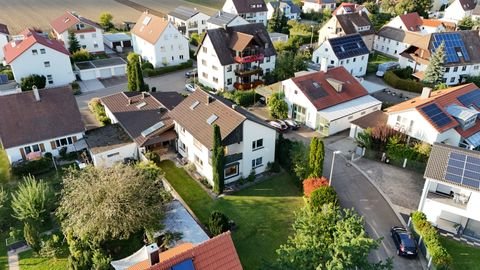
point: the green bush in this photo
(163, 70)
(27, 83)
(405, 84)
(218, 223)
(98, 110)
(321, 196)
(76, 88)
(152, 156)
(9, 73)
(33, 167)
(242, 98)
(147, 65)
(81, 56)
(273, 167)
(251, 176)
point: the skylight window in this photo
(212, 119)
(141, 105)
(152, 129)
(316, 85)
(194, 104)
(147, 20)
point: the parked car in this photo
(277, 125)
(384, 67)
(283, 124)
(191, 73)
(292, 124)
(404, 241)
(189, 87)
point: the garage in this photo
(88, 75)
(119, 71)
(105, 73)
(101, 68)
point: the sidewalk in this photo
(13, 257)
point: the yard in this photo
(28, 261)
(464, 257)
(263, 213)
(376, 59)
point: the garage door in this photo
(87, 75)
(105, 73)
(119, 71)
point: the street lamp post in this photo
(331, 168)
(311, 37)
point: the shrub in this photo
(32, 237)
(76, 88)
(81, 55)
(98, 110)
(163, 70)
(33, 167)
(218, 223)
(242, 98)
(321, 196)
(9, 73)
(311, 184)
(147, 65)
(251, 176)
(277, 106)
(405, 84)
(27, 83)
(273, 167)
(52, 247)
(152, 156)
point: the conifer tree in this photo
(218, 156)
(435, 70)
(74, 45)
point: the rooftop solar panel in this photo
(463, 169)
(348, 46)
(438, 117)
(3, 79)
(454, 46)
(470, 98)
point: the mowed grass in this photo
(465, 257)
(28, 261)
(376, 59)
(3, 252)
(263, 213)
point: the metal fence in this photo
(402, 163)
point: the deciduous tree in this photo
(277, 106)
(311, 184)
(106, 20)
(27, 83)
(435, 70)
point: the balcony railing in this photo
(192, 25)
(458, 200)
(247, 86)
(248, 72)
(249, 59)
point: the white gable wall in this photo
(91, 41)
(293, 95)
(116, 155)
(454, 12)
(3, 42)
(251, 132)
(389, 46)
(357, 66)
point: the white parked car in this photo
(189, 87)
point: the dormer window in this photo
(470, 122)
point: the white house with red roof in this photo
(447, 116)
(460, 9)
(88, 33)
(345, 8)
(36, 54)
(4, 36)
(328, 100)
(412, 22)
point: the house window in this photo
(257, 163)
(215, 79)
(181, 146)
(354, 59)
(214, 67)
(447, 70)
(341, 62)
(361, 69)
(50, 79)
(231, 170)
(205, 75)
(173, 58)
(113, 154)
(32, 148)
(182, 129)
(204, 62)
(229, 68)
(348, 61)
(34, 52)
(204, 49)
(452, 79)
(82, 36)
(363, 57)
(455, 69)
(475, 67)
(27, 149)
(46, 63)
(258, 144)
(267, 59)
(332, 62)
(64, 141)
(162, 48)
(95, 45)
(180, 57)
(267, 70)
(464, 68)
(94, 35)
(42, 51)
(84, 46)
(229, 81)
(198, 161)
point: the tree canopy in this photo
(400, 7)
(27, 83)
(30, 200)
(435, 70)
(218, 161)
(73, 44)
(106, 20)
(277, 106)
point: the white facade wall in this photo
(357, 66)
(286, 12)
(94, 73)
(170, 49)
(14, 153)
(454, 12)
(236, 21)
(200, 19)
(388, 46)
(60, 67)
(113, 156)
(309, 7)
(252, 132)
(92, 41)
(3, 42)
(343, 123)
(293, 95)
(253, 17)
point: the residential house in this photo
(412, 22)
(447, 116)
(223, 19)
(88, 33)
(459, 9)
(249, 142)
(287, 8)
(235, 57)
(371, 120)
(4, 38)
(310, 6)
(188, 20)
(346, 7)
(34, 53)
(348, 51)
(39, 121)
(462, 58)
(393, 41)
(145, 118)
(347, 24)
(451, 193)
(328, 100)
(214, 254)
(254, 11)
(159, 42)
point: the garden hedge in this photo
(396, 82)
(148, 72)
(33, 167)
(97, 108)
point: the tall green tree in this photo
(134, 74)
(435, 70)
(316, 157)
(73, 44)
(30, 201)
(218, 161)
(3, 197)
(27, 83)
(106, 20)
(331, 238)
(278, 22)
(32, 236)
(277, 106)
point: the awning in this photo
(166, 136)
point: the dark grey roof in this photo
(183, 13)
(221, 18)
(221, 37)
(249, 6)
(471, 40)
(438, 162)
(293, 8)
(348, 22)
(348, 46)
(392, 33)
(4, 29)
(106, 138)
(24, 120)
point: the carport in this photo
(117, 41)
(101, 68)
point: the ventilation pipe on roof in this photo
(153, 255)
(209, 99)
(35, 93)
(426, 92)
(323, 65)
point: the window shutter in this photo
(53, 145)
(22, 152)
(74, 138)
(42, 147)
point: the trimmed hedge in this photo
(148, 72)
(242, 98)
(33, 167)
(97, 108)
(396, 82)
(429, 234)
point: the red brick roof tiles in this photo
(69, 19)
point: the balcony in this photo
(247, 86)
(458, 200)
(193, 25)
(248, 72)
(249, 58)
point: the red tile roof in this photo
(69, 19)
(150, 27)
(4, 29)
(412, 21)
(325, 95)
(348, 7)
(218, 253)
(31, 38)
(164, 256)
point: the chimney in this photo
(210, 99)
(426, 92)
(35, 93)
(129, 101)
(153, 255)
(234, 106)
(323, 64)
(144, 95)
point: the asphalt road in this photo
(355, 191)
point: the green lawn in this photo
(3, 253)
(263, 213)
(30, 262)
(375, 59)
(216, 4)
(465, 257)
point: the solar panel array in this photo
(464, 170)
(470, 98)
(453, 45)
(348, 46)
(3, 79)
(438, 117)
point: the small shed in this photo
(101, 68)
(278, 37)
(117, 41)
(371, 120)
